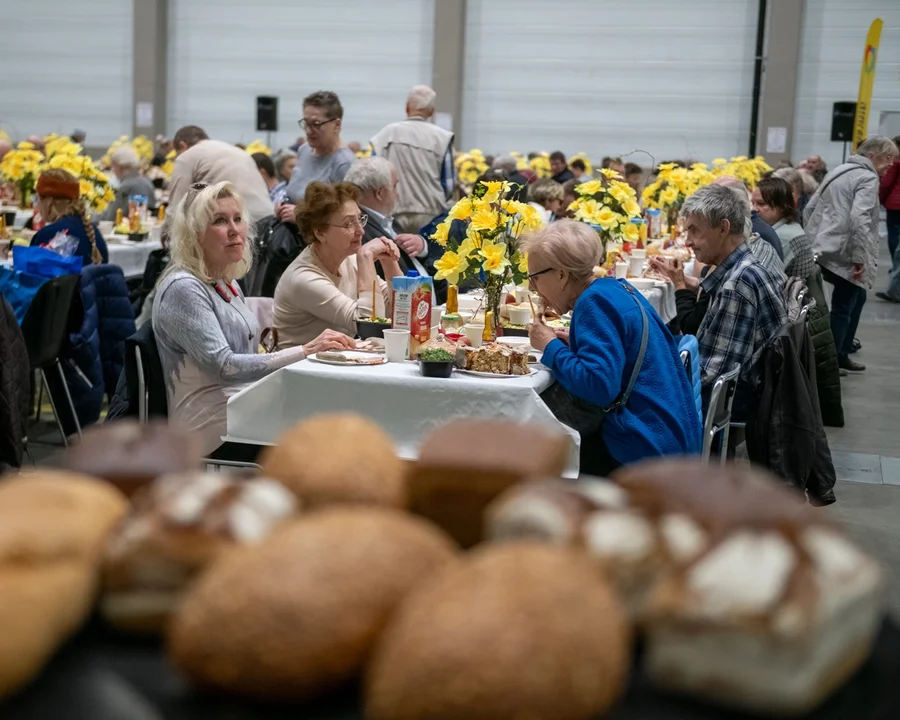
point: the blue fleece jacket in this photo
(72, 225)
(660, 417)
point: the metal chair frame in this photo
(718, 416)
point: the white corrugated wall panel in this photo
(223, 53)
(66, 65)
(672, 78)
(834, 37)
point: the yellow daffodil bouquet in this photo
(588, 168)
(489, 252)
(609, 205)
(142, 145)
(521, 160)
(258, 146)
(675, 184)
(540, 164)
(21, 167)
(469, 167)
(748, 171)
(366, 151)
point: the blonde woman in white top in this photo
(329, 286)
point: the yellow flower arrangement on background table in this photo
(470, 166)
(258, 146)
(489, 254)
(588, 167)
(366, 151)
(540, 164)
(22, 167)
(96, 190)
(609, 205)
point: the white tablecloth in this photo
(407, 405)
(130, 256)
(663, 301)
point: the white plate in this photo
(478, 373)
(643, 283)
(369, 358)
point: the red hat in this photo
(54, 187)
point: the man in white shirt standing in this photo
(377, 181)
(422, 152)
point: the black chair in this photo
(54, 313)
(152, 401)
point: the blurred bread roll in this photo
(177, 526)
(338, 459)
(296, 616)
(52, 528)
(130, 454)
(520, 630)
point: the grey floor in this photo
(865, 451)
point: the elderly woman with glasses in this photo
(323, 157)
(620, 381)
(207, 336)
(330, 284)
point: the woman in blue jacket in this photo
(621, 382)
(68, 231)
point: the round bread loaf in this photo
(130, 454)
(296, 616)
(519, 630)
(340, 458)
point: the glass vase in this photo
(493, 297)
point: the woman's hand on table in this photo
(329, 340)
(539, 334)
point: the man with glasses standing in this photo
(323, 157)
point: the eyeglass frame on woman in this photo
(316, 125)
(361, 220)
(532, 276)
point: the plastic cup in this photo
(637, 266)
(475, 334)
(105, 227)
(436, 312)
(396, 345)
(621, 270)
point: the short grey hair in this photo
(545, 190)
(370, 174)
(281, 157)
(715, 203)
(421, 97)
(507, 163)
(810, 184)
(790, 176)
(125, 156)
(567, 245)
(877, 145)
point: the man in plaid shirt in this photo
(746, 305)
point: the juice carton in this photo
(413, 296)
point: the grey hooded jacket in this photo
(842, 217)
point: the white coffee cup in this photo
(519, 316)
(436, 312)
(396, 345)
(637, 266)
(522, 294)
(465, 315)
(106, 227)
(621, 270)
(639, 253)
(475, 334)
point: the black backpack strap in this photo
(638, 364)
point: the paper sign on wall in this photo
(144, 114)
(776, 140)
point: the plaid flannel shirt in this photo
(746, 309)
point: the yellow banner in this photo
(866, 82)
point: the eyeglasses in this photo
(539, 272)
(307, 125)
(361, 221)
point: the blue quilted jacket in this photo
(689, 343)
(98, 349)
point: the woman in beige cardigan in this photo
(329, 286)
